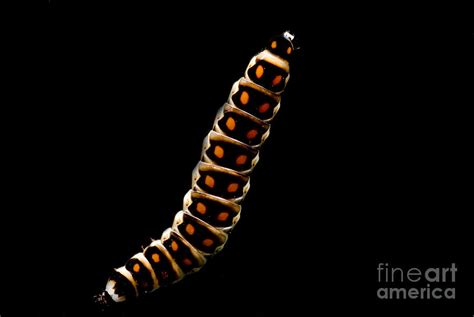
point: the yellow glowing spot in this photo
(244, 98)
(207, 242)
(277, 80)
(233, 187)
(264, 108)
(252, 134)
(190, 229)
(223, 216)
(187, 262)
(209, 181)
(274, 44)
(241, 159)
(288, 50)
(201, 208)
(219, 151)
(230, 124)
(174, 246)
(155, 257)
(259, 71)
(136, 268)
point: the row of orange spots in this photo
(277, 80)
(232, 188)
(201, 208)
(208, 242)
(187, 262)
(136, 268)
(259, 71)
(230, 124)
(264, 108)
(219, 152)
(155, 257)
(245, 97)
(223, 216)
(251, 134)
(210, 182)
(190, 230)
(174, 246)
(241, 159)
(288, 50)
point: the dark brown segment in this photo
(212, 212)
(273, 78)
(161, 264)
(198, 235)
(259, 104)
(181, 253)
(242, 127)
(215, 211)
(223, 184)
(141, 275)
(235, 157)
(281, 46)
(123, 287)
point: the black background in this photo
(105, 109)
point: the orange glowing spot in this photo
(288, 50)
(136, 268)
(264, 108)
(219, 151)
(277, 80)
(252, 134)
(241, 160)
(174, 246)
(244, 98)
(201, 208)
(230, 124)
(209, 181)
(207, 242)
(274, 44)
(232, 188)
(155, 257)
(259, 71)
(187, 262)
(223, 216)
(190, 229)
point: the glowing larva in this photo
(220, 181)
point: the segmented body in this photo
(220, 181)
